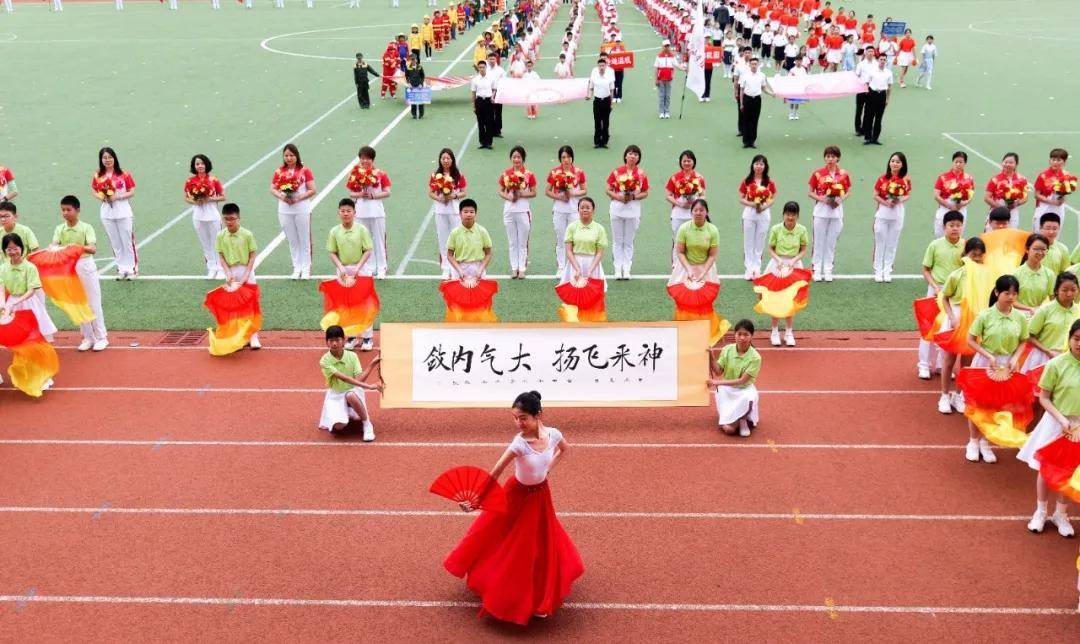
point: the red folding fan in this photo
(472, 484)
(469, 297)
(584, 297)
(695, 296)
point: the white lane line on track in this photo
(587, 606)
(322, 348)
(94, 442)
(434, 277)
(312, 390)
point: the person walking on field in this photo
(360, 76)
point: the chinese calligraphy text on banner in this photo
(657, 364)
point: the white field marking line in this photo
(322, 390)
(707, 516)
(264, 44)
(1021, 133)
(345, 171)
(316, 347)
(277, 150)
(460, 445)
(429, 217)
(971, 27)
(594, 606)
(402, 276)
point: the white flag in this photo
(695, 72)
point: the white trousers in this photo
(297, 229)
(676, 223)
(119, 5)
(623, 233)
(121, 233)
(207, 232)
(755, 233)
(310, 4)
(215, 4)
(939, 216)
(518, 226)
(279, 4)
(377, 227)
(826, 233)
(88, 276)
(561, 220)
(7, 6)
(1042, 209)
(444, 224)
(172, 5)
(886, 241)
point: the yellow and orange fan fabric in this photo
(978, 285)
(583, 301)
(1004, 251)
(1059, 463)
(928, 316)
(238, 317)
(998, 403)
(472, 485)
(33, 360)
(781, 296)
(352, 305)
(694, 301)
(470, 300)
(56, 266)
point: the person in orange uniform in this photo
(389, 68)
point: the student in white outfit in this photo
(926, 67)
(889, 218)
(57, 5)
(828, 211)
(564, 209)
(119, 5)
(370, 211)
(517, 216)
(446, 205)
(625, 208)
(756, 193)
(116, 215)
(172, 5)
(204, 212)
(294, 208)
(680, 204)
(75, 232)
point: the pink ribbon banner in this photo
(543, 91)
(817, 86)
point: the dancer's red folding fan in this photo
(983, 389)
(472, 484)
(926, 314)
(1035, 375)
(478, 296)
(694, 299)
(1059, 465)
(584, 297)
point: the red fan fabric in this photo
(955, 340)
(61, 283)
(472, 484)
(927, 312)
(781, 297)
(1035, 375)
(521, 562)
(697, 304)
(582, 304)
(464, 304)
(354, 308)
(33, 360)
(1001, 410)
(1059, 465)
(238, 317)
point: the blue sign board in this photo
(418, 95)
(893, 28)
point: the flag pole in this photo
(682, 101)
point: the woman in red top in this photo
(756, 193)
(834, 44)
(682, 189)
(891, 191)
(203, 191)
(1008, 189)
(813, 47)
(953, 190)
(1046, 199)
(516, 187)
(906, 58)
(293, 186)
(565, 186)
(628, 186)
(446, 205)
(829, 187)
(114, 187)
(7, 184)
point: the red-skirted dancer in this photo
(521, 562)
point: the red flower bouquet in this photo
(361, 179)
(441, 184)
(198, 188)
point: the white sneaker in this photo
(878, 277)
(929, 88)
(211, 273)
(924, 373)
(987, 454)
(381, 274)
(48, 385)
(887, 277)
(86, 344)
(446, 274)
(254, 342)
(1038, 521)
(295, 275)
(817, 275)
(774, 337)
(101, 345)
(789, 339)
(1061, 520)
(828, 276)
(972, 451)
(957, 401)
(305, 274)
(367, 345)
(791, 116)
(796, 116)
(944, 404)
(369, 431)
(744, 429)
(350, 343)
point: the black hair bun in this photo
(537, 394)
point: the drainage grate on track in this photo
(182, 338)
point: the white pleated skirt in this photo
(336, 411)
(732, 403)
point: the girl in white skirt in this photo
(446, 205)
(687, 178)
(564, 209)
(734, 374)
(1050, 327)
(344, 400)
(114, 187)
(1060, 397)
(891, 191)
(516, 187)
(204, 210)
(997, 335)
(585, 241)
(756, 194)
(294, 207)
(20, 285)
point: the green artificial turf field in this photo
(159, 86)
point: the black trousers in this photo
(751, 113)
(601, 114)
(362, 96)
(617, 92)
(708, 82)
(875, 111)
(738, 112)
(485, 120)
(860, 112)
(417, 110)
(496, 119)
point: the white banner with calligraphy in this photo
(601, 365)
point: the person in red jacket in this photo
(906, 58)
(389, 68)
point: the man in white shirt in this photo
(879, 81)
(862, 71)
(483, 90)
(495, 72)
(752, 84)
(601, 86)
(741, 66)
